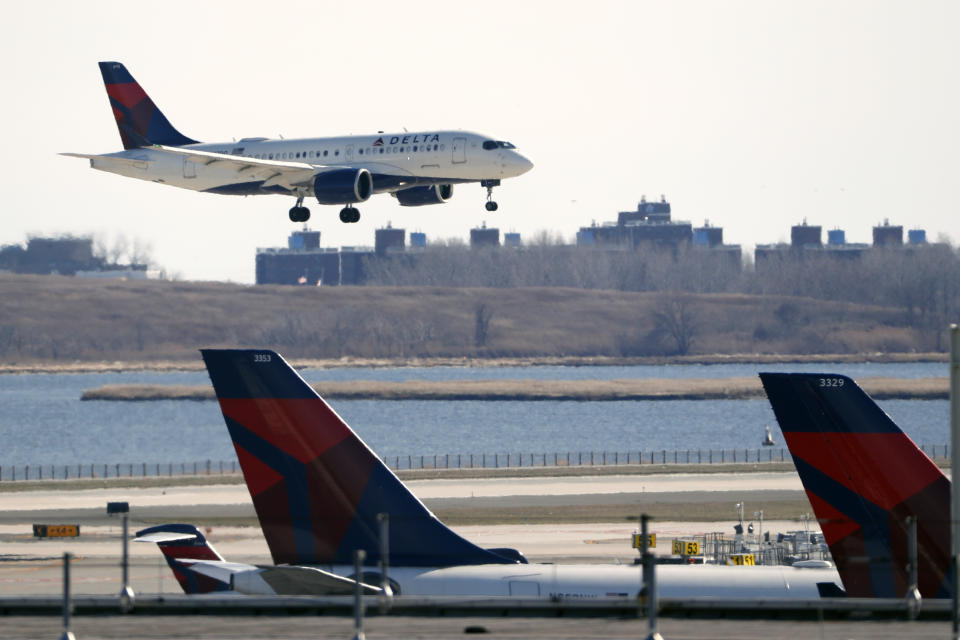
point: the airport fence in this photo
(763, 455)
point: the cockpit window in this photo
(497, 144)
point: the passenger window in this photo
(414, 147)
(325, 153)
(361, 151)
(337, 152)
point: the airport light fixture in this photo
(127, 596)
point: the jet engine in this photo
(419, 196)
(343, 186)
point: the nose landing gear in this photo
(490, 184)
(299, 213)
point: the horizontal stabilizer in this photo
(164, 536)
(134, 162)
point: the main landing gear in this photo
(349, 214)
(299, 213)
(490, 184)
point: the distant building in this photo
(304, 262)
(887, 235)
(389, 240)
(651, 228)
(804, 235)
(67, 256)
(484, 237)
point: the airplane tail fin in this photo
(864, 477)
(140, 122)
(182, 545)
(316, 487)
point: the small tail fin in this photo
(864, 477)
(182, 545)
(140, 122)
(316, 487)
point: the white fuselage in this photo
(396, 161)
(590, 581)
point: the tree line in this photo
(922, 281)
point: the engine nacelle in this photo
(343, 186)
(419, 196)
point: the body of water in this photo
(43, 421)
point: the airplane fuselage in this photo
(395, 161)
(590, 581)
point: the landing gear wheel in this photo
(489, 185)
(349, 214)
(299, 214)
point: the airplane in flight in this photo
(318, 490)
(864, 476)
(418, 168)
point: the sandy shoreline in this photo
(561, 361)
(500, 390)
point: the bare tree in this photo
(482, 317)
(141, 252)
(677, 319)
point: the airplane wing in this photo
(280, 580)
(274, 172)
(294, 580)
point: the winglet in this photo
(864, 477)
(316, 487)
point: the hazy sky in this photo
(754, 114)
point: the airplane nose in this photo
(521, 164)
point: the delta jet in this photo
(318, 491)
(418, 168)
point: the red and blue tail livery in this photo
(183, 546)
(864, 477)
(316, 487)
(140, 122)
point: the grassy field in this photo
(62, 323)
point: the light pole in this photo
(127, 596)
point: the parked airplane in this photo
(318, 490)
(417, 168)
(864, 477)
